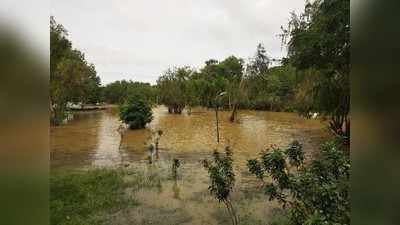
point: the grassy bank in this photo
(97, 196)
(86, 197)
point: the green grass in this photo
(280, 217)
(86, 197)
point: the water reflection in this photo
(92, 138)
(108, 141)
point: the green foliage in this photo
(136, 113)
(273, 90)
(295, 153)
(221, 77)
(221, 174)
(319, 46)
(119, 91)
(260, 63)
(81, 198)
(316, 192)
(222, 179)
(253, 86)
(256, 87)
(173, 88)
(72, 78)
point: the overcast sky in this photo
(138, 40)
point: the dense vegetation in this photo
(72, 78)
(136, 113)
(315, 192)
(319, 47)
(252, 86)
(119, 91)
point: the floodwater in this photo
(92, 139)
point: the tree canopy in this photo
(72, 78)
(319, 47)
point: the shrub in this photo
(136, 113)
(175, 165)
(316, 192)
(222, 179)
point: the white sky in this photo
(138, 40)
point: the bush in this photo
(316, 192)
(136, 113)
(222, 177)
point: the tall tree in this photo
(260, 63)
(319, 42)
(173, 88)
(72, 78)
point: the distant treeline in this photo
(252, 86)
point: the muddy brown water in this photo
(92, 139)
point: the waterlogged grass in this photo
(94, 197)
(86, 197)
(146, 194)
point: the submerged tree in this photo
(222, 179)
(173, 88)
(136, 113)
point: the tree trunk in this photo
(233, 115)
(229, 102)
(216, 119)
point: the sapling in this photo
(222, 179)
(156, 141)
(157, 137)
(175, 165)
(151, 153)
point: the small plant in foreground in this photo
(222, 179)
(316, 192)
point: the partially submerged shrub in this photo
(136, 113)
(175, 165)
(316, 193)
(151, 154)
(156, 138)
(222, 179)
